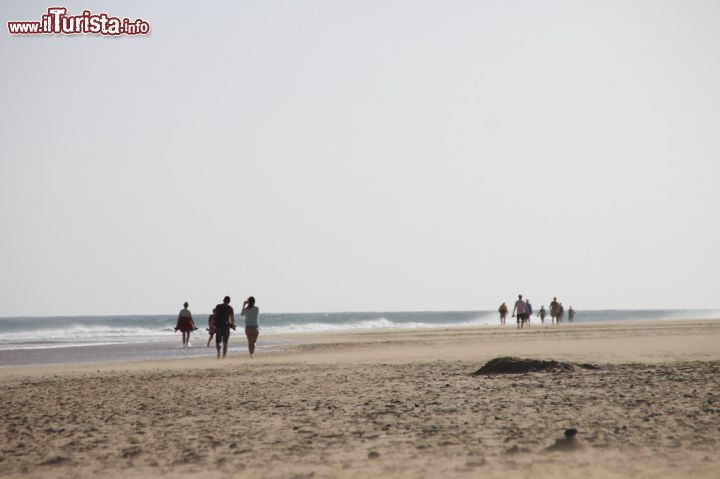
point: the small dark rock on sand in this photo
(512, 365)
(131, 451)
(54, 461)
(515, 450)
(567, 443)
(373, 455)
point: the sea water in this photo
(43, 340)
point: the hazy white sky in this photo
(362, 155)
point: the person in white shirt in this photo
(519, 311)
(250, 312)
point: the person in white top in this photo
(250, 312)
(519, 311)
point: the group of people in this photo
(220, 322)
(523, 311)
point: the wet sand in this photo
(383, 404)
(169, 349)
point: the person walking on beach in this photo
(561, 312)
(185, 325)
(250, 312)
(224, 320)
(503, 310)
(528, 311)
(519, 311)
(571, 314)
(542, 313)
(554, 310)
(211, 327)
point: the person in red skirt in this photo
(186, 325)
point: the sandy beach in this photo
(382, 404)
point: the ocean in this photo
(50, 340)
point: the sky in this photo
(374, 155)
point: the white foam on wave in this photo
(76, 333)
(16, 347)
(367, 325)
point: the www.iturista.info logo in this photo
(58, 22)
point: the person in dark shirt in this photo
(211, 328)
(503, 310)
(224, 320)
(554, 311)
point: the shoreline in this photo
(158, 348)
(285, 344)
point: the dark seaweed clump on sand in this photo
(511, 365)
